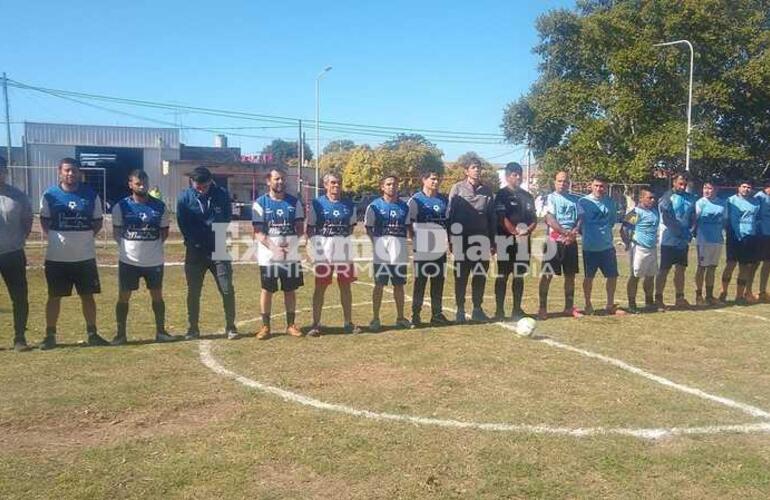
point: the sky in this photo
(451, 65)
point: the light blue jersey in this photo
(744, 216)
(598, 218)
(676, 210)
(764, 212)
(710, 220)
(644, 224)
(563, 207)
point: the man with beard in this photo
(140, 227)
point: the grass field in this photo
(151, 420)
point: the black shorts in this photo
(670, 256)
(395, 274)
(288, 276)
(764, 248)
(745, 251)
(513, 263)
(430, 268)
(61, 276)
(565, 261)
(129, 276)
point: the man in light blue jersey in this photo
(677, 212)
(596, 215)
(562, 221)
(710, 221)
(742, 242)
(640, 235)
(764, 243)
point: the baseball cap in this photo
(200, 174)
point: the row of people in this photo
(472, 223)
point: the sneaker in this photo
(723, 297)
(460, 317)
(439, 320)
(119, 340)
(165, 337)
(375, 326)
(741, 301)
(293, 331)
(499, 315)
(20, 345)
(264, 333)
(682, 303)
(574, 312)
(232, 334)
(633, 309)
(542, 314)
(416, 321)
(660, 305)
(615, 310)
(479, 316)
(315, 331)
(49, 342)
(95, 340)
(699, 301)
(192, 335)
(403, 323)
(351, 328)
(751, 299)
(588, 311)
(714, 302)
(764, 297)
(517, 315)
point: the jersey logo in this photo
(72, 205)
(436, 208)
(336, 213)
(279, 212)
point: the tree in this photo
(608, 101)
(282, 150)
(362, 171)
(339, 146)
(455, 172)
(408, 139)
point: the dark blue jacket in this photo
(196, 213)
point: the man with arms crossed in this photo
(596, 215)
(516, 220)
(199, 207)
(427, 217)
(710, 220)
(278, 220)
(640, 235)
(140, 226)
(562, 221)
(742, 242)
(15, 225)
(386, 225)
(471, 221)
(330, 222)
(677, 212)
(71, 215)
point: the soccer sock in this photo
(91, 329)
(500, 285)
(50, 331)
(648, 299)
(266, 319)
(659, 297)
(517, 287)
(698, 292)
(290, 317)
(543, 297)
(710, 292)
(121, 315)
(159, 308)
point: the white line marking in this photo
(745, 315)
(646, 433)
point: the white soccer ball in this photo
(526, 327)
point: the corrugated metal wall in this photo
(97, 135)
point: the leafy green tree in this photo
(455, 172)
(282, 150)
(408, 139)
(362, 171)
(607, 100)
(339, 146)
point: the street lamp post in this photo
(317, 125)
(689, 101)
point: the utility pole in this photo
(7, 119)
(689, 99)
(300, 159)
(317, 125)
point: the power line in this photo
(331, 125)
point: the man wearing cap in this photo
(70, 216)
(278, 219)
(198, 208)
(472, 225)
(15, 225)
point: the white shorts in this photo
(644, 261)
(709, 254)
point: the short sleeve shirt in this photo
(277, 219)
(764, 212)
(563, 207)
(516, 205)
(71, 216)
(743, 214)
(710, 218)
(644, 224)
(140, 226)
(333, 222)
(598, 217)
(388, 223)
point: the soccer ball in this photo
(526, 327)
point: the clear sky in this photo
(449, 65)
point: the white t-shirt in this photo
(140, 226)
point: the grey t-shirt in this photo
(15, 219)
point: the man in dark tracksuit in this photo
(198, 207)
(471, 218)
(516, 219)
(15, 224)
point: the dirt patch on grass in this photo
(92, 427)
